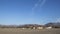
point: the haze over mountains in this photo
(53, 24)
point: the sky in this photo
(29, 11)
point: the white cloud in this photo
(58, 20)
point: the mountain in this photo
(54, 25)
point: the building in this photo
(39, 27)
(50, 27)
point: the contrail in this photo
(33, 10)
(40, 3)
(35, 6)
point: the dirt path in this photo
(19, 31)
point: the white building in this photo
(39, 27)
(48, 27)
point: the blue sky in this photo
(29, 11)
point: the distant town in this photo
(33, 26)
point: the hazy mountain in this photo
(56, 24)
